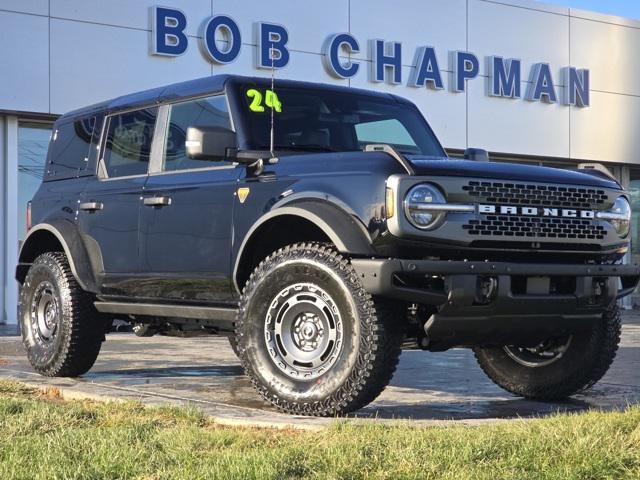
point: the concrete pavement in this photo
(427, 388)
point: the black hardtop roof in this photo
(199, 87)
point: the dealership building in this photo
(527, 81)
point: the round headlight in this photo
(622, 222)
(417, 206)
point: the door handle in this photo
(91, 206)
(157, 201)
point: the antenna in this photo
(271, 140)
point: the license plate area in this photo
(543, 285)
(538, 285)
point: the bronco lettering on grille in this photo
(536, 211)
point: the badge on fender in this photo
(243, 193)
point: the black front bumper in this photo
(512, 315)
(379, 277)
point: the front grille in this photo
(535, 195)
(538, 227)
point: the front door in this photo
(109, 208)
(187, 212)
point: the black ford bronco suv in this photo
(320, 228)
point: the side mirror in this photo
(477, 154)
(209, 143)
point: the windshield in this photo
(325, 120)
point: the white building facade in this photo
(528, 81)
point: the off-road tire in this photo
(233, 344)
(372, 340)
(586, 360)
(74, 347)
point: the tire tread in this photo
(603, 345)
(380, 344)
(81, 346)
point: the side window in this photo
(389, 131)
(69, 149)
(204, 112)
(128, 143)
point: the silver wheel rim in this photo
(303, 331)
(45, 313)
(540, 356)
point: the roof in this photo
(198, 87)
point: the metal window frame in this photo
(101, 166)
(161, 126)
(156, 165)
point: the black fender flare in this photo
(344, 230)
(67, 234)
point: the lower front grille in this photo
(504, 245)
(535, 227)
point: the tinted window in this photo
(385, 131)
(325, 120)
(128, 143)
(69, 147)
(205, 112)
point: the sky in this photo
(621, 8)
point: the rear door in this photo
(187, 212)
(109, 209)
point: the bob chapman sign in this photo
(385, 59)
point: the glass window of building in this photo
(33, 141)
(634, 199)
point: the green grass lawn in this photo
(42, 436)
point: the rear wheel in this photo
(61, 330)
(558, 367)
(310, 338)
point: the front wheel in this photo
(558, 367)
(61, 330)
(310, 338)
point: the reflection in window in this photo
(205, 112)
(634, 199)
(326, 120)
(33, 141)
(70, 147)
(390, 131)
(128, 146)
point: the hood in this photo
(508, 171)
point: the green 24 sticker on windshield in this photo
(270, 98)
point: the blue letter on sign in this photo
(576, 87)
(504, 77)
(426, 72)
(331, 55)
(541, 88)
(231, 33)
(383, 56)
(272, 40)
(167, 32)
(465, 66)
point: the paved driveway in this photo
(427, 386)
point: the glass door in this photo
(33, 141)
(634, 198)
